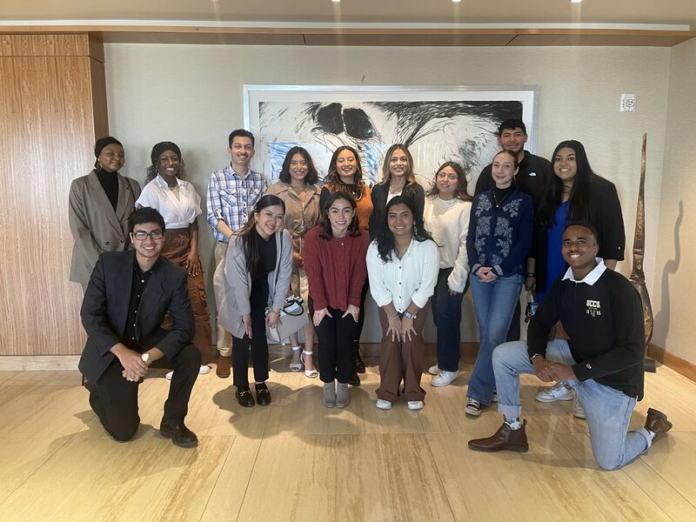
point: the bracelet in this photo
(531, 274)
(531, 359)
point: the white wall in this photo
(673, 298)
(193, 95)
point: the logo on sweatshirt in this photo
(594, 308)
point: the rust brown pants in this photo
(177, 246)
(402, 360)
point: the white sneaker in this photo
(383, 405)
(473, 407)
(578, 410)
(444, 378)
(204, 369)
(169, 375)
(557, 392)
(434, 370)
(415, 405)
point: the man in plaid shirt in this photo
(232, 195)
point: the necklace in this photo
(498, 203)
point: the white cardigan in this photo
(448, 223)
(232, 282)
(400, 281)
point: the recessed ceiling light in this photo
(335, 1)
(575, 1)
(456, 1)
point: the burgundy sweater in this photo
(336, 269)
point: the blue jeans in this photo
(494, 304)
(608, 410)
(447, 316)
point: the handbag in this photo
(292, 316)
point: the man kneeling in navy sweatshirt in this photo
(603, 360)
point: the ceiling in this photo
(534, 12)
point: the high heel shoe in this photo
(296, 367)
(310, 374)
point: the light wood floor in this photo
(296, 460)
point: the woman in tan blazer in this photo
(100, 204)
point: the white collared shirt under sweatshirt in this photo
(177, 212)
(401, 281)
(448, 222)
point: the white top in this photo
(592, 277)
(177, 212)
(448, 223)
(400, 281)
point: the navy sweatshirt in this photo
(605, 325)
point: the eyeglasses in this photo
(141, 235)
(445, 175)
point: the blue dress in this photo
(555, 264)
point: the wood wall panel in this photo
(47, 132)
(45, 45)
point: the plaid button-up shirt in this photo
(232, 198)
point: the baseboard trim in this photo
(34, 363)
(676, 363)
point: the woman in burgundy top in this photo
(336, 271)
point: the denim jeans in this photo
(447, 316)
(608, 410)
(494, 304)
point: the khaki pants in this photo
(224, 338)
(402, 360)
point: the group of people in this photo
(554, 228)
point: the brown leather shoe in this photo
(504, 439)
(224, 367)
(657, 422)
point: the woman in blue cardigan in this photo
(500, 236)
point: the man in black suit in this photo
(126, 300)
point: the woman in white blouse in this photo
(180, 205)
(446, 216)
(402, 264)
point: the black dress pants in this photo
(115, 400)
(336, 354)
(258, 299)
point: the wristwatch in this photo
(409, 315)
(146, 358)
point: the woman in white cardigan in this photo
(446, 216)
(254, 276)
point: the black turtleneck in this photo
(109, 182)
(500, 195)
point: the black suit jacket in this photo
(380, 192)
(105, 310)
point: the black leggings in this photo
(258, 299)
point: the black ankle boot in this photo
(359, 364)
(354, 379)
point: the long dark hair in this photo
(553, 195)
(333, 179)
(312, 174)
(461, 192)
(250, 237)
(326, 231)
(385, 239)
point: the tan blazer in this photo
(95, 226)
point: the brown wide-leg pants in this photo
(402, 360)
(177, 246)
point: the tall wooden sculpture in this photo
(637, 274)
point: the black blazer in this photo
(379, 202)
(105, 310)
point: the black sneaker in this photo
(179, 433)
(245, 398)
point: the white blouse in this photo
(177, 212)
(402, 281)
(448, 223)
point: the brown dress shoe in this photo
(224, 367)
(657, 422)
(504, 439)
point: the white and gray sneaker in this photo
(444, 378)
(473, 407)
(578, 410)
(434, 370)
(557, 392)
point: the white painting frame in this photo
(446, 123)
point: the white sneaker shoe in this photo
(383, 405)
(434, 370)
(578, 410)
(473, 408)
(557, 392)
(415, 405)
(444, 378)
(204, 369)
(169, 375)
